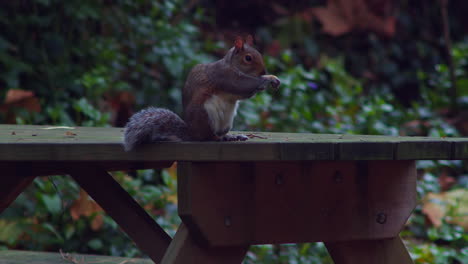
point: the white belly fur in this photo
(221, 112)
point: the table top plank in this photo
(48, 143)
(31, 257)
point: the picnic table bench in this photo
(352, 192)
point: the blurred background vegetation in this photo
(392, 67)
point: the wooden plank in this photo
(184, 249)
(301, 151)
(46, 168)
(424, 150)
(385, 251)
(332, 201)
(44, 134)
(37, 134)
(31, 257)
(11, 186)
(229, 204)
(133, 219)
(40, 143)
(215, 201)
(164, 151)
(459, 149)
(365, 151)
(209, 151)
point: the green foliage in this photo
(436, 84)
(67, 51)
(433, 254)
(50, 201)
(313, 253)
(327, 100)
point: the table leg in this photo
(11, 187)
(184, 249)
(384, 251)
(133, 219)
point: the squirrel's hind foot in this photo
(238, 137)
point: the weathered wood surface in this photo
(30, 257)
(184, 249)
(46, 168)
(43, 143)
(235, 204)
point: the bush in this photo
(87, 62)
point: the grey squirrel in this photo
(209, 98)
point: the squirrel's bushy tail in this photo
(153, 124)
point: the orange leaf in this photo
(22, 99)
(446, 181)
(16, 95)
(97, 222)
(451, 206)
(84, 206)
(334, 17)
(173, 170)
(433, 209)
(342, 16)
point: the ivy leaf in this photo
(52, 203)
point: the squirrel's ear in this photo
(249, 40)
(238, 43)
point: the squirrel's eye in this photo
(248, 58)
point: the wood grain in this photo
(44, 143)
(229, 204)
(184, 249)
(215, 201)
(31, 257)
(46, 168)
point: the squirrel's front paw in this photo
(273, 81)
(238, 137)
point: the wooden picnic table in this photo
(352, 192)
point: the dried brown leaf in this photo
(70, 134)
(445, 180)
(339, 17)
(17, 95)
(451, 206)
(84, 206)
(22, 98)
